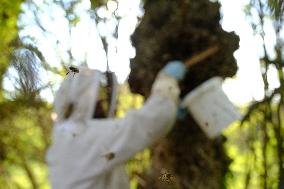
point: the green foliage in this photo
(25, 123)
(24, 134)
(98, 3)
(253, 151)
(257, 144)
(27, 65)
(277, 8)
(24, 126)
(9, 11)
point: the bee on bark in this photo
(73, 70)
(166, 176)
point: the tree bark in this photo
(179, 30)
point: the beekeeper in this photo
(89, 146)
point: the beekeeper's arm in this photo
(141, 128)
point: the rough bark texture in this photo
(178, 30)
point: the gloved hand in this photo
(181, 113)
(166, 83)
(175, 69)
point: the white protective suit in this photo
(90, 153)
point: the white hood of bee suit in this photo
(81, 90)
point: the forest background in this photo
(40, 39)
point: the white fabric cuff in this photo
(166, 86)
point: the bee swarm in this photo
(178, 30)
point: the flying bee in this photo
(73, 70)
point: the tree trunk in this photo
(178, 30)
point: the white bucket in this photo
(210, 107)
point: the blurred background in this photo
(40, 39)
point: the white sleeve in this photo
(141, 128)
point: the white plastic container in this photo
(210, 107)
